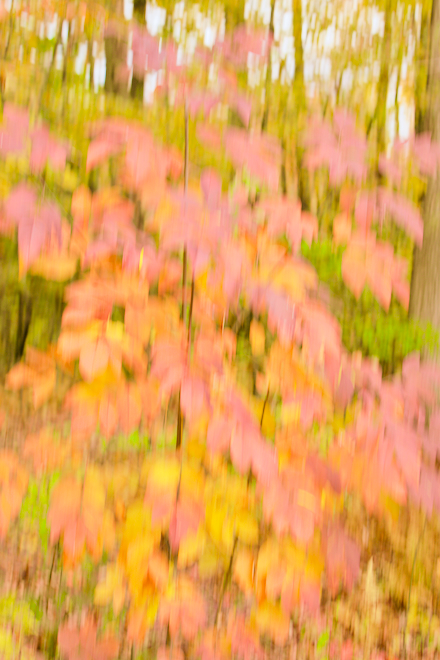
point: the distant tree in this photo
(425, 284)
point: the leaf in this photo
(13, 485)
(44, 451)
(185, 612)
(21, 375)
(191, 548)
(100, 150)
(112, 589)
(81, 206)
(342, 560)
(243, 570)
(166, 653)
(82, 642)
(353, 271)
(43, 387)
(273, 622)
(247, 528)
(108, 415)
(46, 148)
(94, 359)
(257, 338)
(129, 407)
(341, 229)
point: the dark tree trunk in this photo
(422, 55)
(115, 55)
(23, 323)
(425, 283)
(300, 105)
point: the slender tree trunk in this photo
(301, 104)
(422, 55)
(384, 75)
(23, 322)
(234, 15)
(425, 283)
(265, 119)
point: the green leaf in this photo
(323, 640)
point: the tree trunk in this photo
(422, 54)
(425, 283)
(383, 82)
(265, 119)
(300, 105)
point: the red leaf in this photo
(129, 408)
(108, 416)
(46, 148)
(100, 150)
(94, 359)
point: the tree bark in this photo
(384, 76)
(422, 55)
(300, 105)
(425, 283)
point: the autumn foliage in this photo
(248, 496)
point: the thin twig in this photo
(410, 586)
(225, 581)
(10, 26)
(264, 407)
(186, 147)
(191, 303)
(49, 69)
(185, 259)
(184, 268)
(55, 551)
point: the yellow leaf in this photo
(290, 413)
(228, 534)
(103, 594)
(108, 531)
(115, 331)
(94, 490)
(257, 338)
(244, 570)
(119, 598)
(192, 480)
(137, 524)
(269, 421)
(114, 580)
(246, 528)
(210, 562)
(215, 518)
(295, 555)
(55, 267)
(191, 547)
(164, 474)
(272, 622)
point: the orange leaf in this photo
(341, 229)
(20, 376)
(94, 359)
(38, 360)
(82, 643)
(158, 569)
(43, 387)
(81, 207)
(13, 484)
(108, 416)
(129, 407)
(46, 454)
(84, 419)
